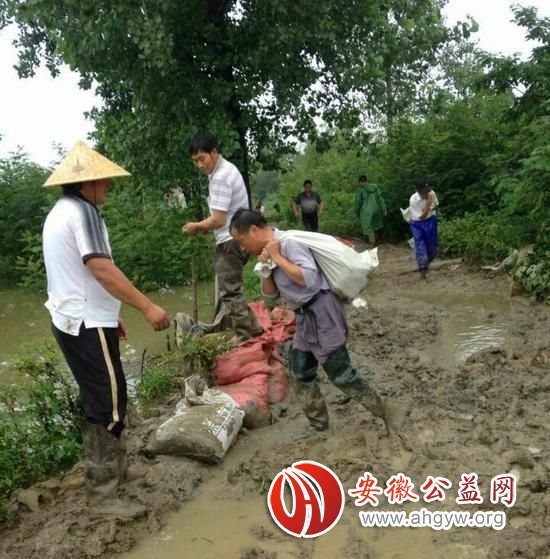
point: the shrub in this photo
(477, 237)
(39, 424)
(153, 384)
(199, 353)
(533, 274)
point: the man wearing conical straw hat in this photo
(85, 290)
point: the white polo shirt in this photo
(74, 232)
(226, 193)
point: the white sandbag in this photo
(205, 425)
(345, 269)
(406, 214)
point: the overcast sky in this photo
(40, 111)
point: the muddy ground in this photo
(467, 408)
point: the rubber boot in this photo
(126, 472)
(122, 459)
(106, 467)
(303, 372)
(348, 380)
(315, 408)
(103, 460)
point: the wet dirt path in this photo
(469, 369)
(425, 331)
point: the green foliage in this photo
(530, 76)
(23, 207)
(339, 219)
(198, 353)
(39, 424)
(153, 384)
(30, 263)
(478, 237)
(255, 72)
(533, 274)
(524, 190)
(251, 282)
(264, 184)
(147, 241)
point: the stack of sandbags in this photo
(253, 373)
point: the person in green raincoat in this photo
(370, 208)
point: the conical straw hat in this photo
(84, 164)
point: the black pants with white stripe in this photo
(94, 360)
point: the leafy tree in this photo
(414, 46)
(256, 72)
(523, 172)
(23, 207)
(529, 78)
(265, 184)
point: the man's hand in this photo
(157, 317)
(273, 249)
(191, 228)
(122, 331)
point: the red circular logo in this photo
(317, 499)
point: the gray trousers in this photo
(229, 262)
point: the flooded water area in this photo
(25, 323)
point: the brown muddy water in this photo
(25, 323)
(213, 526)
(470, 323)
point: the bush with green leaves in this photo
(198, 353)
(23, 207)
(148, 244)
(251, 282)
(153, 384)
(531, 270)
(477, 237)
(339, 218)
(39, 424)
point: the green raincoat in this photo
(370, 208)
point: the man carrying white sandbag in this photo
(321, 326)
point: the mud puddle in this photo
(470, 322)
(212, 526)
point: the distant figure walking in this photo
(310, 206)
(422, 206)
(370, 208)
